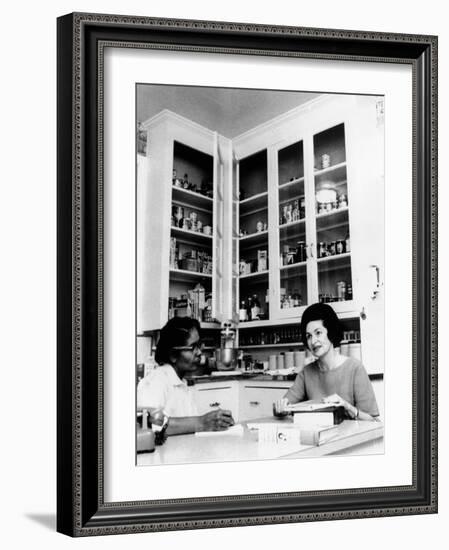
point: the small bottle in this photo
(185, 181)
(248, 309)
(174, 176)
(243, 314)
(295, 213)
(255, 308)
(349, 291)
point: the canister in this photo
(289, 361)
(280, 361)
(298, 359)
(355, 351)
(272, 362)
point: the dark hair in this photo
(324, 313)
(174, 333)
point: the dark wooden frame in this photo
(81, 510)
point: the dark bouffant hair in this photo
(324, 313)
(174, 333)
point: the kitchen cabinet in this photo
(247, 400)
(257, 398)
(181, 223)
(296, 211)
(322, 167)
(214, 395)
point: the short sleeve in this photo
(151, 391)
(364, 397)
(297, 392)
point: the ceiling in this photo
(228, 111)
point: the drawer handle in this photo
(255, 403)
(216, 404)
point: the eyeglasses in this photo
(196, 346)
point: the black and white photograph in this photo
(260, 245)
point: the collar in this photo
(172, 376)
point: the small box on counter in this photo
(312, 413)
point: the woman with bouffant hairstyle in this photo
(331, 377)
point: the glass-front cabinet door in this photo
(332, 207)
(253, 300)
(291, 277)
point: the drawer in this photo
(257, 401)
(224, 396)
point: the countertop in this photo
(353, 437)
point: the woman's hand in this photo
(279, 407)
(216, 420)
(335, 399)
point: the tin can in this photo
(325, 161)
(342, 201)
(322, 250)
(340, 246)
(341, 290)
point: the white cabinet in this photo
(296, 211)
(257, 398)
(247, 400)
(181, 211)
(214, 395)
(320, 173)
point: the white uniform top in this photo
(162, 388)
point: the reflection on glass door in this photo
(292, 227)
(332, 216)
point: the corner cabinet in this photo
(181, 215)
(295, 210)
(316, 213)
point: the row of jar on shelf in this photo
(298, 359)
(289, 334)
(293, 361)
(197, 261)
(205, 188)
(188, 220)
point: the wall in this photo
(27, 227)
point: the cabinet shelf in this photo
(212, 326)
(335, 262)
(256, 275)
(288, 184)
(292, 230)
(261, 346)
(254, 204)
(182, 275)
(192, 198)
(335, 173)
(332, 219)
(191, 237)
(254, 239)
(293, 270)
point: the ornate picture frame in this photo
(82, 509)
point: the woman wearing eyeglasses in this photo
(178, 353)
